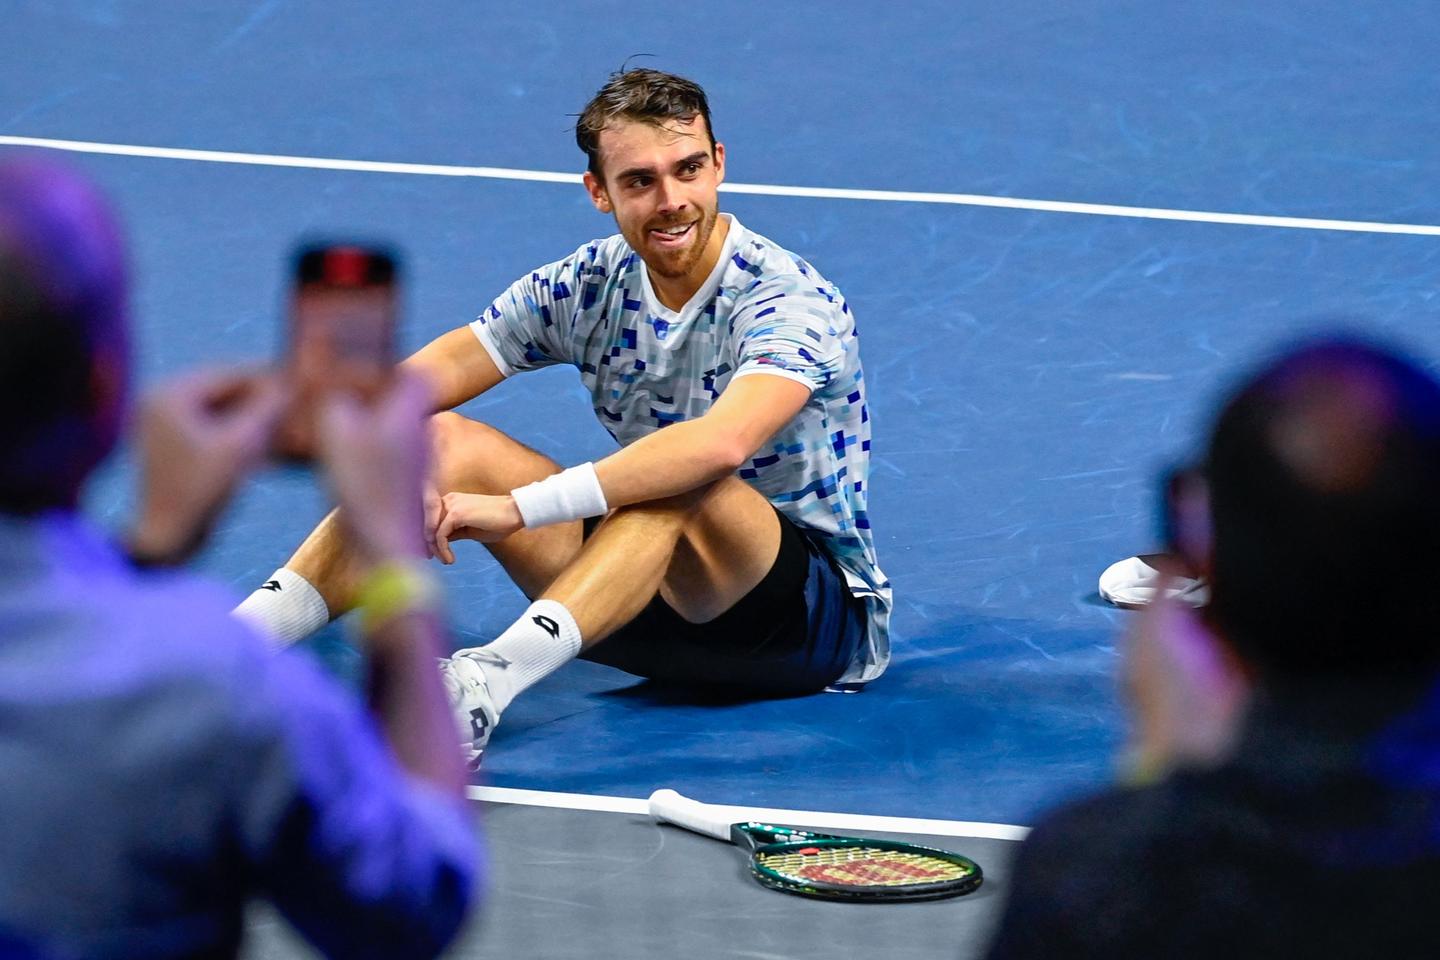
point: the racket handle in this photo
(669, 806)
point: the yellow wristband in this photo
(393, 590)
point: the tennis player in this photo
(730, 548)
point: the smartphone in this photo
(343, 314)
(1185, 519)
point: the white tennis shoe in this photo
(469, 690)
(1133, 583)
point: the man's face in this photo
(661, 183)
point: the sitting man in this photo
(731, 547)
(161, 765)
(1287, 792)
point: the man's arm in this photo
(688, 455)
(200, 434)
(457, 367)
(680, 458)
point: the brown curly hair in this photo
(643, 95)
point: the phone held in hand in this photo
(343, 312)
(1185, 526)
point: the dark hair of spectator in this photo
(62, 312)
(644, 96)
(1324, 484)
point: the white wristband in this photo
(572, 494)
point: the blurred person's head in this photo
(1323, 478)
(63, 337)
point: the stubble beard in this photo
(673, 268)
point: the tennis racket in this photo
(825, 866)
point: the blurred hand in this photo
(475, 516)
(197, 437)
(1186, 691)
(377, 459)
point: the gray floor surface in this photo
(603, 886)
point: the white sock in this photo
(543, 640)
(286, 609)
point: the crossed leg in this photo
(702, 551)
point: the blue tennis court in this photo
(1062, 229)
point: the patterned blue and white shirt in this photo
(762, 310)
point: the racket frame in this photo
(764, 839)
(767, 840)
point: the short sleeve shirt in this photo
(763, 310)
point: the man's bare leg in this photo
(703, 552)
(471, 457)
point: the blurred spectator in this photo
(161, 765)
(1286, 753)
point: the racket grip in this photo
(669, 806)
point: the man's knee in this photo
(471, 455)
(681, 508)
(728, 541)
(454, 435)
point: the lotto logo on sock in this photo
(479, 723)
(546, 624)
(271, 585)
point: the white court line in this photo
(804, 818)
(759, 189)
(274, 160)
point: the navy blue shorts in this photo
(795, 633)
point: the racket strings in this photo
(863, 866)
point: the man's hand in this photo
(474, 516)
(377, 459)
(435, 512)
(1186, 691)
(197, 437)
